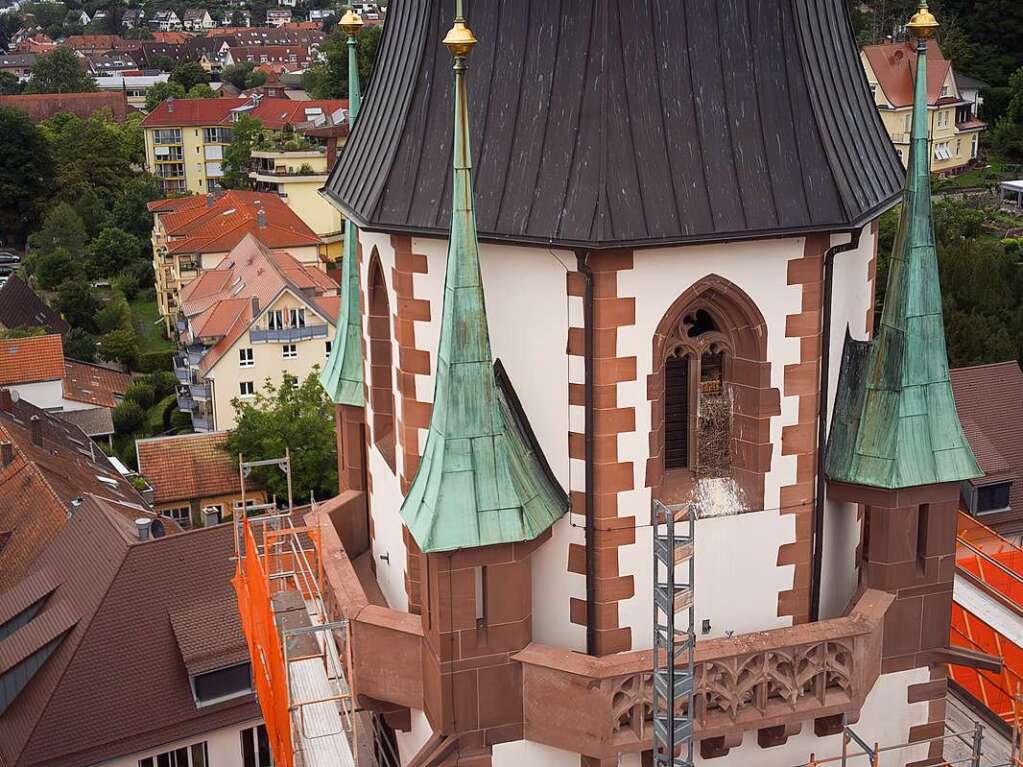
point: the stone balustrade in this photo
(770, 681)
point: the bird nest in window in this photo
(715, 437)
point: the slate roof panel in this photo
(754, 120)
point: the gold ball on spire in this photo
(923, 24)
(351, 22)
(459, 40)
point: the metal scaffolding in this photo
(674, 634)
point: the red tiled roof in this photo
(187, 467)
(989, 399)
(28, 360)
(971, 124)
(42, 106)
(100, 43)
(221, 226)
(93, 384)
(173, 38)
(182, 112)
(274, 113)
(37, 488)
(175, 204)
(252, 271)
(894, 65)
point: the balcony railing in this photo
(758, 681)
(185, 402)
(181, 324)
(202, 422)
(287, 335)
(199, 391)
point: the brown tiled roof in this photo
(40, 486)
(43, 106)
(989, 399)
(187, 466)
(29, 360)
(123, 655)
(20, 307)
(209, 635)
(894, 65)
(93, 384)
(272, 112)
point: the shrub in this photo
(128, 417)
(126, 284)
(151, 362)
(80, 345)
(119, 346)
(114, 316)
(141, 392)
(164, 383)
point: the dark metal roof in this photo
(617, 123)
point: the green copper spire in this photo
(481, 480)
(895, 422)
(342, 378)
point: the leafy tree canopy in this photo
(293, 417)
(90, 154)
(60, 71)
(111, 252)
(329, 79)
(26, 168)
(161, 91)
(129, 211)
(190, 74)
(62, 228)
(238, 154)
(243, 76)
(80, 345)
(10, 85)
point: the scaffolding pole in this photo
(674, 634)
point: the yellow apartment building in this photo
(954, 125)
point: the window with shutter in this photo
(676, 412)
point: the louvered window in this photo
(676, 412)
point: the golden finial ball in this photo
(459, 40)
(351, 23)
(923, 24)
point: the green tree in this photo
(114, 316)
(142, 392)
(62, 228)
(26, 175)
(329, 79)
(10, 85)
(138, 33)
(294, 417)
(51, 269)
(12, 334)
(129, 211)
(77, 304)
(60, 71)
(128, 417)
(239, 153)
(89, 154)
(91, 210)
(243, 76)
(1008, 132)
(112, 251)
(189, 74)
(133, 139)
(80, 345)
(119, 345)
(201, 91)
(161, 91)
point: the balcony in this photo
(194, 354)
(181, 324)
(202, 423)
(185, 401)
(181, 369)
(199, 391)
(768, 681)
(287, 335)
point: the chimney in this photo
(142, 525)
(209, 199)
(261, 218)
(211, 517)
(6, 454)
(170, 103)
(6, 401)
(37, 430)
(255, 305)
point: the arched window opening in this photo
(697, 399)
(381, 369)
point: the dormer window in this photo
(222, 684)
(992, 498)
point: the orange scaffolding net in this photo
(995, 566)
(252, 585)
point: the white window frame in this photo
(246, 357)
(289, 351)
(296, 317)
(329, 346)
(275, 319)
(242, 385)
(180, 514)
(191, 759)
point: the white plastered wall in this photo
(385, 497)
(410, 742)
(223, 745)
(852, 297)
(48, 395)
(529, 314)
(748, 543)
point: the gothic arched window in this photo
(380, 360)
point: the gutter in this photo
(582, 258)
(822, 419)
